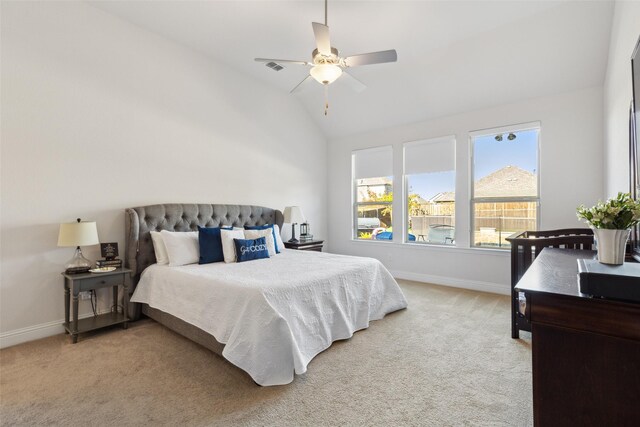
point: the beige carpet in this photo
(446, 360)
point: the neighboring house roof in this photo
(510, 181)
(446, 196)
(377, 186)
(419, 200)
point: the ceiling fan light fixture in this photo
(327, 65)
(325, 73)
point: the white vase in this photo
(611, 245)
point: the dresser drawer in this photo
(101, 282)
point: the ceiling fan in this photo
(327, 65)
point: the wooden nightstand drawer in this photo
(100, 282)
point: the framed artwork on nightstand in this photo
(109, 250)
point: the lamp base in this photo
(78, 264)
(293, 234)
(77, 270)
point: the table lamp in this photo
(293, 215)
(78, 234)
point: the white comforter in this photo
(274, 315)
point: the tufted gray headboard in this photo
(140, 221)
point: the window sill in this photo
(436, 247)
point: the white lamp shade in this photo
(78, 234)
(326, 73)
(293, 215)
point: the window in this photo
(372, 172)
(430, 182)
(505, 194)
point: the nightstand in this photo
(76, 283)
(313, 245)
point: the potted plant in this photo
(611, 223)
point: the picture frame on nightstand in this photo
(109, 251)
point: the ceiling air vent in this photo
(274, 66)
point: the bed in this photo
(269, 317)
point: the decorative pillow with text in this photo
(250, 249)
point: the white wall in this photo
(99, 115)
(570, 174)
(618, 92)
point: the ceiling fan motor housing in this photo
(319, 58)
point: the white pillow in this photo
(162, 258)
(228, 247)
(182, 247)
(278, 238)
(268, 233)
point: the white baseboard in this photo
(494, 288)
(35, 332)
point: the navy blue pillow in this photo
(248, 249)
(264, 227)
(210, 245)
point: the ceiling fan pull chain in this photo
(326, 99)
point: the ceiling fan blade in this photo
(372, 58)
(321, 32)
(301, 85)
(352, 82)
(288, 61)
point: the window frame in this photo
(473, 200)
(354, 194)
(405, 191)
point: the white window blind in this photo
(373, 162)
(431, 155)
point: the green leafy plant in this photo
(619, 213)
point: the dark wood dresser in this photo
(585, 351)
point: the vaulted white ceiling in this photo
(453, 56)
